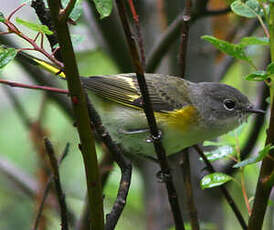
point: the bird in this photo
(187, 113)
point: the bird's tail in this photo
(49, 67)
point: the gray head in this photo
(222, 106)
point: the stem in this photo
(79, 104)
(264, 188)
(155, 135)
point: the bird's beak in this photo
(251, 109)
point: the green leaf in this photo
(247, 41)
(77, 10)
(219, 153)
(6, 56)
(249, 9)
(34, 26)
(104, 7)
(259, 75)
(253, 160)
(233, 50)
(270, 68)
(2, 17)
(214, 179)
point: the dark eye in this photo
(229, 104)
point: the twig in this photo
(47, 189)
(185, 164)
(225, 192)
(122, 161)
(79, 105)
(139, 32)
(58, 186)
(155, 135)
(66, 12)
(184, 36)
(192, 210)
(22, 85)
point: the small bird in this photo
(187, 113)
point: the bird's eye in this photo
(229, 104)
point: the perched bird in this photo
(187, 113)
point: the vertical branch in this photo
(155, 135)
(185, 164)
(265, 183)
(139, 32)
(184, 36)
(57, 182)
(79, 104)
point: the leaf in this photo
(270, 68)
(34, 26)
(2, 17)
(233, 50)
(247, 41)
(77, 10)
(249, 9)
(259, 75)
(6, 56)
(253, 160)
(104, 7)
(214, 179)
(219, 153)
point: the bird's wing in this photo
(124, 89)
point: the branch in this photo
(223, 189)
(79, 104)
(155, 135)
(57, 182)
(192, 210)
(47, 189)
(121, 160)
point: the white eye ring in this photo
(229, 104)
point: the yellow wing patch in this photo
(180, 119)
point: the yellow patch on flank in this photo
(180, 119)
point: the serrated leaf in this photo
(104, 7)
(6, 56)
(270, 68)
(253, 160)
(259, 75)
(219, 153)
(214, 179)
(233, 50)
(2, 17)
(34, 26)
(247, 41)
(249, 9)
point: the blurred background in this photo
(101, 49)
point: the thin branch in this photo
(121, 160)
(140, 39)
(79, 104)
(47, 189)
(22, 85)
(223, 189)
(184, 36)
(192, 210)
(155, 135)
(58, 186)
(64, 14)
